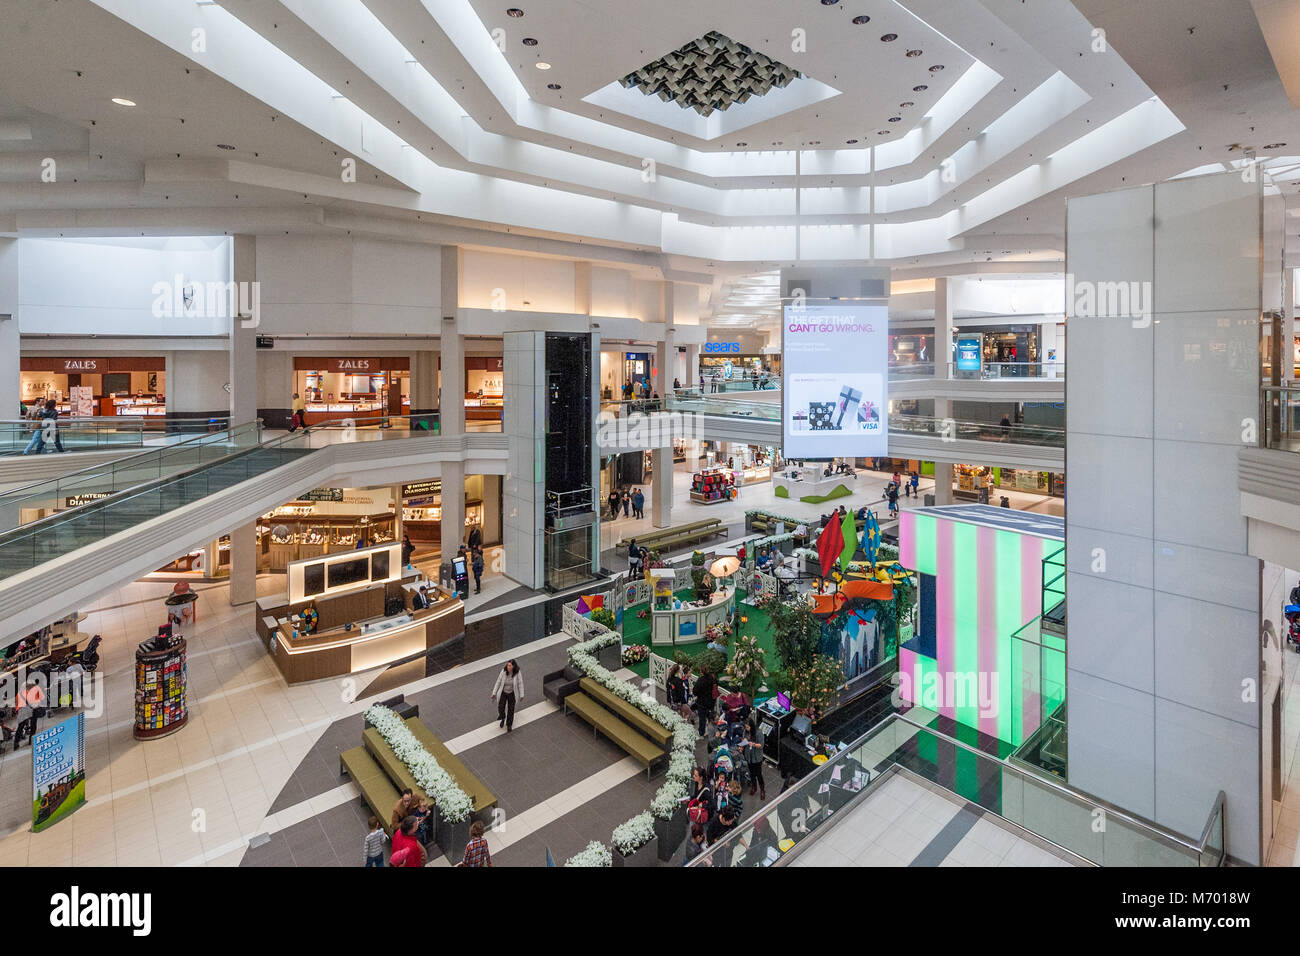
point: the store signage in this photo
(76, 501)
(834, 399)
(266, 342)
(354, 364)
(969, 354)
(58, 771)
(415, 488)
(718, 347)
(321, 494)
(80, 365)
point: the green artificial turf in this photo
(637, 631)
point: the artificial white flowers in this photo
(454, 804)
(596, 854)
(635, 833)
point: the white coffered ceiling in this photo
(455, 134)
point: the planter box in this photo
(452, 838)
(669, 835)
(641, 856)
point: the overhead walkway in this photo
(855, 798)
(194, 495)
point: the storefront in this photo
(341, 387)
(747, 464)
(970, 480)
(997, 351)
(83, 386)
(739, 367)
(422, 510)
(325, 521)
(484, 388)
(909, 349)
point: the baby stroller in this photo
(88, 657)
(1292, 612)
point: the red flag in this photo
(830, 545)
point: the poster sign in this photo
(969, 354)
(58, 771)
(321, 494)
(834, 381)
(82, 400)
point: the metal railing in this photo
(708, 405)
(1281, 407)
(948, 429)
(997, 370)
(1055, 813)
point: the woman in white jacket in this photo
(507, 692)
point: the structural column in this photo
(9, 337)
(451, 403)
(1287, 358)
(243, 337)
(661, 489)
(941, 350)
(243, 564)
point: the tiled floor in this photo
(903, 823)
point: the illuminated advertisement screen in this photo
(834, 381)
(969, 353)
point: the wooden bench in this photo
(638, 719)
(376, 788)
(689, 538)
(650, 538)
(603, 721)
(481, 797)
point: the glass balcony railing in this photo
(1050, 810)
(709, 405)
(997, 370)
(951, 430)
(17, 436)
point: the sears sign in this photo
(721, 348)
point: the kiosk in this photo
(807, 483)
(687, 622)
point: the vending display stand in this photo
(160, 678)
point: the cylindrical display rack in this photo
(160, 675)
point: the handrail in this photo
(1152, 830)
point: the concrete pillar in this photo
(424, 382)
(582, 288)
(9, 338)
(243, 564)
(452, 531)
(243, 339)
(661, 491)
(1288, 325)
(941, 348)
(692, 366)
(942, 483)
(451, 400)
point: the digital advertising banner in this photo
(835, 381)
(58, 771)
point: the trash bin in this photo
(929, 501)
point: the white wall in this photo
(107, 286)
(196, 381)
(317, 285)
(528, 283)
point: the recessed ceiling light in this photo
(920, 88)
(905, 105)
(889, 38)
(850, 142)
(777, 143)
(542, 65)
(122, 101)
(936, 68)
(913, 53)
(514, 12)
(553, 86)
(1273, 146)
(829, 3)
(815, 142)
(530, 41)
(742, 144)
(224, 146)
(895, 119)
(862, 19)
(882, 132)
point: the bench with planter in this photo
(668, 539)
(605, 721)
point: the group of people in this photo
(911, 486)
(630, 502)
(411, 832)
(45, 417)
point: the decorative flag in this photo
(871, 537)
(550, 860)
(849, 532)
(829, 545)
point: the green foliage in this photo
(796, 631)
(603, 616)
(817, 685)
(747, 668)
(715, 662)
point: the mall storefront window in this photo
(339, 387)
(422, 511)
(85, 386)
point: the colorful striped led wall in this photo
(987, 583)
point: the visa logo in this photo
(717, 347)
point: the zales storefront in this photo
(337, 387)
(84, 386)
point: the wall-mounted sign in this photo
(321, 494)
(81, 364)
(266, 342)
(416, 488)
(721, 347)
(76, 501)
(350, 364)
(970, 353)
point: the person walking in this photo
(705, 689)
(299, 417)
(638, 503)
(754, 759)
(614, 499)
(374, 845)
(915, 482)
(675, 689)
(408, 549)
(507, 692)
(893, 500)
(477, 566)
(476, 850)
(627, 504)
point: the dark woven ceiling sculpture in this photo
(711, 73)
